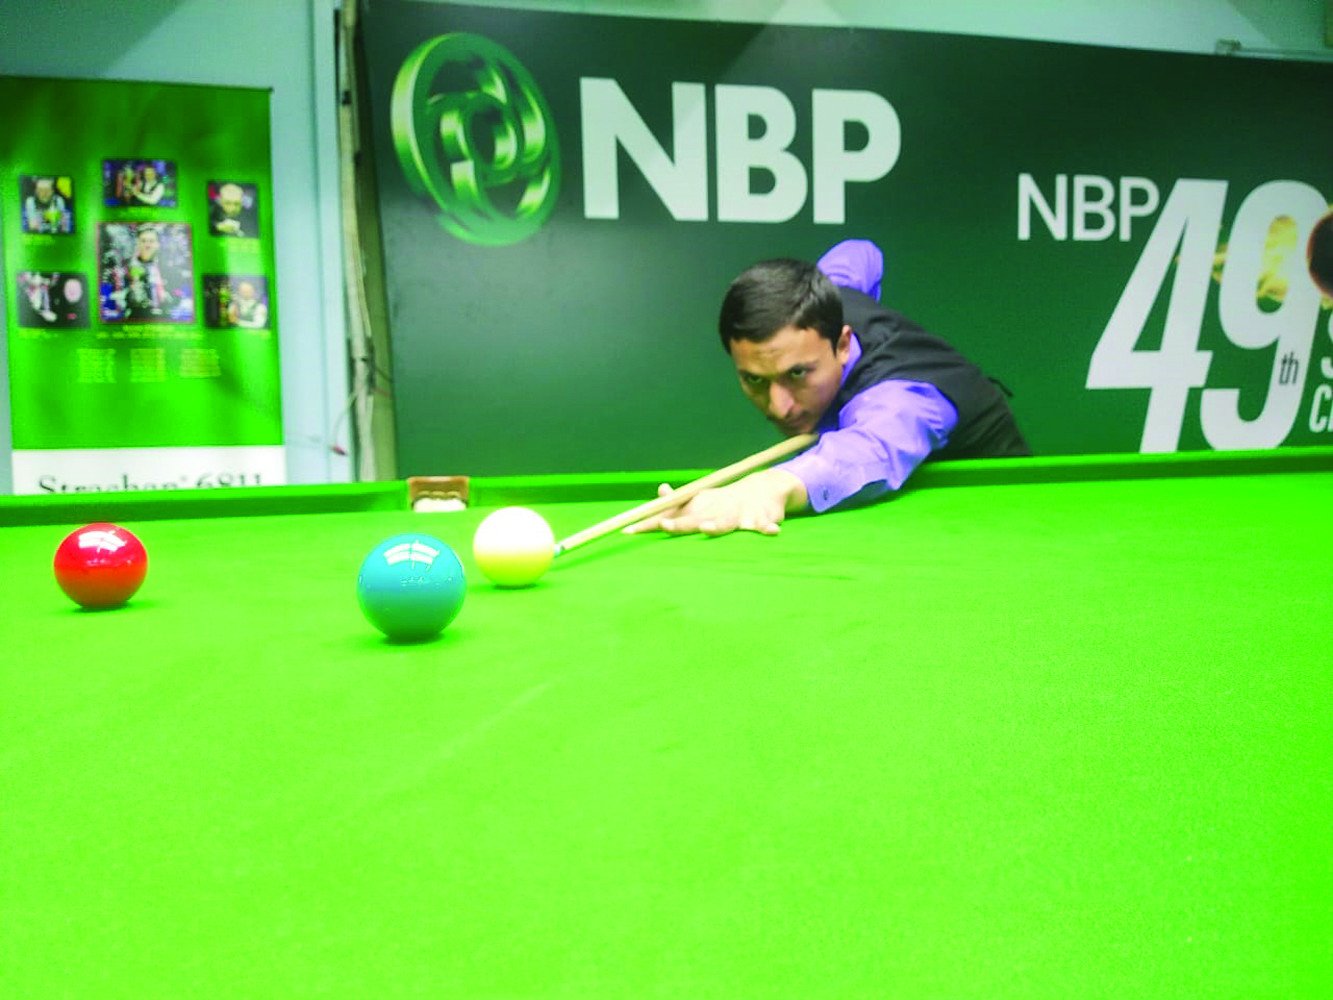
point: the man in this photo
(45, 211)
(883, 394)
(148, 188)
(246, 309)
(224, 214)
(146, 294)
(35, 305)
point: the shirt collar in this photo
(853, 356)
(830, 418)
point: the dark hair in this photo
(775, 294)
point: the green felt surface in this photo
(1050, 740)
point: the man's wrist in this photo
(785, 486)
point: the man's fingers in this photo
(653, 523)
(648, 524)
(713, 513)
(687, 524)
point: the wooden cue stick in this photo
(687, 492)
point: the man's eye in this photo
(797, 374)
(752, 381)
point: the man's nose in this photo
(780, 401)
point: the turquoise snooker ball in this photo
(411, 587)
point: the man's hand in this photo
(759, 502)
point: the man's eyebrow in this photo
(800, 366)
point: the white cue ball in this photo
(513, 547)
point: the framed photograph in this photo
(47, 204)
(52, 300)
(139, 183)
(236, 300)
(146, 272)
(233, 208)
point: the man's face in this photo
(148, 245)
(793, 376)
(231, 198)
(45, 188)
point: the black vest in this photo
(893, 347)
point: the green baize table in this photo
(1041, 728)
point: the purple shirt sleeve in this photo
(882, 435)
(857, 264)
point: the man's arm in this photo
(883, 434)
(857, 264)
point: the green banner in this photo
(138, 248)
(1136, 243)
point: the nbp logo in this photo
(475, 134)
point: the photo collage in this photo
(145, 259)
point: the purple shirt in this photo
(855, 264)
(874, 442)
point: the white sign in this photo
(124, 470)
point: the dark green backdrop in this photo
(591, 344)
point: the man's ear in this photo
(843, 350)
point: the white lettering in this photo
(1084, 205)
(1094, 204)
(1030, 196)
(1288, 331)
(834, 164)
(680, 179)
(609, 120)
(1130, 209)
(1319, 422)
(739, 155)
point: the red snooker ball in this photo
(100, 566)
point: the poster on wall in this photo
(142, 312)
(1136, 243)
